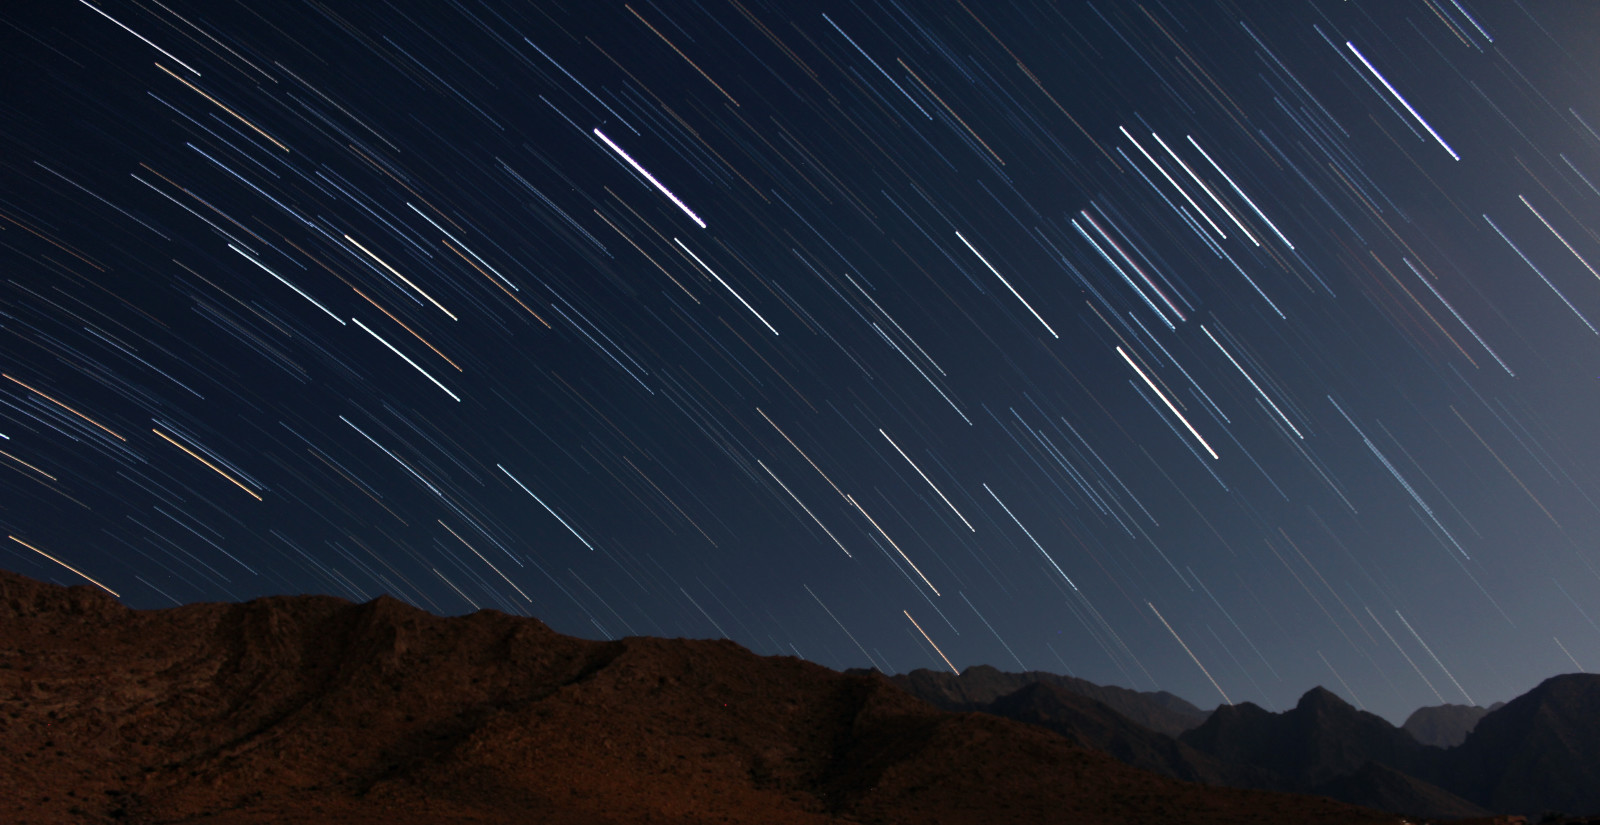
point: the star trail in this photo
(1225, 348)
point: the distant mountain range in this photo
(313, 709)
(1537, 753)
(980, 685)
(1445, 726)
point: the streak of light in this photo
(398, 460)
(459, 243)
(929, 480)
(1472, 19)
(486, 561)
(81, 188)
(29, 466)
(1206, 189)
(702, 612)
(547, 508)
(1575, 606)
(1397, 477)
(192, 441)
(1403, 653)
(409, 329)
(147, 42)
(897, 326)
(649, 177)
(930, 641)
(1435, 657)
(805, 508)
(1504, 466)
(724, 283)
(1540, 273)
(674, 504)
(1463, 321)
(185, 207)
(53, 242)
(1136, 268)
(1169, 404)
(682, 55)
(1063, 110)
(1235, 624)
(457, 589)
(896, 547)
(1423, 309)
(1252, 381)
(64, 564)
(802, 454)
(1025, 532)
(357, 483)
(840, 624)
(1450, 23)
(285, 282)
(1006, 282)
(331, 102)
(1191, 653)
(401, 277)
(223, 107)
(992, 630)
(1341, 681)
(646, 256)
(876, 66)
(1118, 267)
(202, 460)
(407, 359)
(925, 377)
(952, 112)
(1181, 190)
(1240, 192)
(586, 90)
(1569, 655)
(1397, 96)
(497, 283)
(603, 602)
(63, 406)
(1558, 236)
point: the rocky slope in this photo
(312, 709)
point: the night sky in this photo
(1221, 348)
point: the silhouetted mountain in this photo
(1541, 751)
(979, 685)
(1094, 724)
(312, 709)
(1326, 746)
(1322, 738)
(1444, 726)
(1390, 790)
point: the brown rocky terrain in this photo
(313, 709)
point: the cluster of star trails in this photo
(881, 334)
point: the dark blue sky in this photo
(1221, 348)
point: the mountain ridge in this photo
(1321, 746)
(312, 709)
(148, 716)
(979, 685)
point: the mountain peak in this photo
(1540, 751)
(1320, 698)
(1443, 726)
